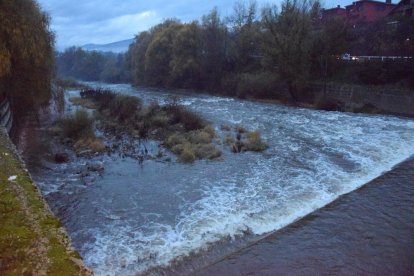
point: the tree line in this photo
(26, 54)
(251, 53)
(254, 52)
(92, 66)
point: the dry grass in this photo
(254, 142)
(249, 141)
(84, 102)
(194, 145)
(78, 125)
(228, 140)
(94, 145)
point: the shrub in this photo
(254, 142)
(102, 97)
(262, 84)
(174, 140)
(179, 115)
(229, 140)
(210, 130)
(200, 137)
(78, 125)
(207, 151)
(187, 155)
(178, 149)
(159, 120)
(124, 107)
(92, 144)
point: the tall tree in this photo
(136, 57)
(185, 65)
(159, 53)
(214, 37)
(287, 42)
(246, 37)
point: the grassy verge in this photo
(32, 241)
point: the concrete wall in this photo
(362, 98)
(32, 240)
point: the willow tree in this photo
(185, 65)
(159, 53)
(26, 54)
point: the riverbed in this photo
(169, 217)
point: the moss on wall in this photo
(32, 240)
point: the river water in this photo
(168, 217)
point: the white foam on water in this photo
(313, 159)
(229, 209)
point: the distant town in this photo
(369, 11)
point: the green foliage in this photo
(185, 67)
(159, 53)
(26, 54)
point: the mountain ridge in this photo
(115, 47)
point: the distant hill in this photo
(116, 47)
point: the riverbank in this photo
(32, 240)
(332, 96)
(133, 217)
(343, 97)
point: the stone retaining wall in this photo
(358, 98)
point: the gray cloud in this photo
(105, 21)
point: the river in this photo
(168, 217)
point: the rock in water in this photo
(61, 158)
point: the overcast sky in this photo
(103, 21)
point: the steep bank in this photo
(360, 98)
(32, 240)
(387, 100)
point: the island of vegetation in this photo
(183, 132)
